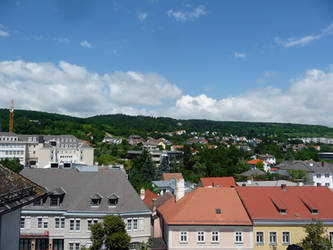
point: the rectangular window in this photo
(37, 202)
(71, 246)
(330, 234)
(77, 225)
(135, 224)
(39, 222)
(45, 222)
(272, 238)
(260, 237)
(77, 246)
(71, 225)
(201, 236)
(22, 222)
(238, 237)
(56, 222)
(183, 236)
(54, 201)
(327, 175)
(89, 224)
(318, 175)
(215, 236)
(285, 238)
(327, 184)
(129, 224)
(62, 222)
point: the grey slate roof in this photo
(81, 186)
(276, 183)
(252, 172)
(308, 166)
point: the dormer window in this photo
(57, 197)
(96, 200)
(38, 202)
(279, 205)
(310, 205)
(218, 211)
(113, 200)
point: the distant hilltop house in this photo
(135, 139)
(319, 173)
(78, 198)
(267, 157)
(181, 132)
(16, 191)
(112, 140)
(45, 150)
(158, 155)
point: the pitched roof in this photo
(161, 200)
(190, 209)
(252, 172)
(218, 181)
(259, 202)
(17, 191)
(169, 176)
(149, 196)
(255, 161)
(309, 166)
(81, 185)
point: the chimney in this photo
(180, 189)
(154, 207)
(318, 184)
(322, 163)
(142, 193)
(284, 187)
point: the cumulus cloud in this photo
(266, 76)
(308, 100)
(71, 89)
(239, 55)
(85, 44)
(291, 42)
(188, 15)
(142, 16)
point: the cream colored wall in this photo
(226, 237)
(88, 156)
(297, 233)
(44, 157)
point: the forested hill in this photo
(34, 122)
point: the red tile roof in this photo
(259, 202)
(199, 208)
(218, 181)
(149, 196)
(169, 176)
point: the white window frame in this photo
(200, 237)
(276, 238)
(183, 237)
(330, 236)
(237, 235)
(55, 223)
(76, 222)
(137, 224)
(217, 235)
(41, 224)
(263, 238)
(77, 225)
(129, 223)
(70, 225)
(282, 235)
(62, 222)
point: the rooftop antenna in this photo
(11, 117)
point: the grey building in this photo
(77, 199)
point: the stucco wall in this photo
(10, 230)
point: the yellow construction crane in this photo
(11, 117)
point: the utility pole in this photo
(11, 117)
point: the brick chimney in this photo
(284, 187)
(322, 163)
(180, 189)
(142, 193)
(154, 207)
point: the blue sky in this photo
(221, 60)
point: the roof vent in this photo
(297, 215)
(218, 211)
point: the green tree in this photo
(13, 164)
(289, 156)
(260, 165)
(111, 232)
(316, 237)
(148, 169)
(164, 167)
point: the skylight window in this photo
(218, 211)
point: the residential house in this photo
(16, 191)
(135, 139)
(267, 158)
(79, 198)
(253, 164)
(274, 183)
(217, 182)
(206, 218)
(169, 185)
(253, 172)
(169, 176)
(319, 173)
(280, 213)
(112, 140)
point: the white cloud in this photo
(187, 15)
(239, 55)
(85, 44)
(71, 89)
(63, 40)
(266, 76)
(291, 42)
(142, 16)
(3, 33)
(308, 100)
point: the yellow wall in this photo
(297, 233)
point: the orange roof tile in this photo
(169, 176)
(259, 202)
(199, 208)
(218, 181)
(254, 161)
(149, 196)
